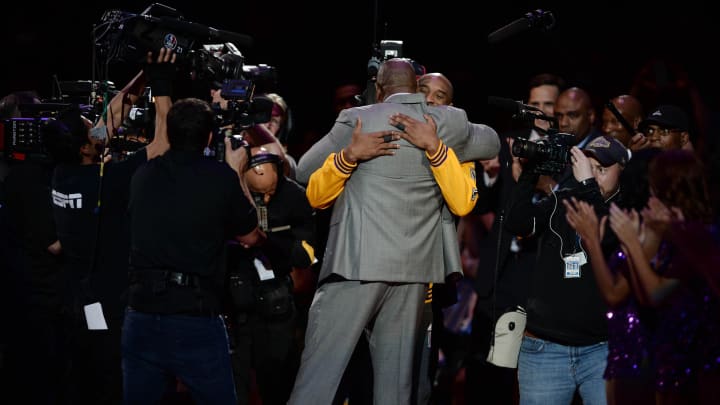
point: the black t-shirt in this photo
(31, 229)
(183, 207)
(81, 224)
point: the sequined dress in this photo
(687, 341)
(628, 332)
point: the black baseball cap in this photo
(668, 116)
(607, 150)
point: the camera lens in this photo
(525, 149)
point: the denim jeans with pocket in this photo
(549, 373)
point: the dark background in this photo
(599, 46)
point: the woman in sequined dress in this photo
(628, 372)
(686, 345)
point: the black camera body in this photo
(388, 49)
(21, 138)
(244, 110)
(548, 156)
(127, 37)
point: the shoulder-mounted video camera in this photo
(204, 54)
(546, 156)
(388, 49)
(128, 37)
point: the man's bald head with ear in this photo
(437, 89)
(395, 75)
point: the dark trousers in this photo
(269, 347)
(95, 366)
(36, 364)
(157, 349)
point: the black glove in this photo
(160, 77)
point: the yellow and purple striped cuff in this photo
(342, 164)
(440, 156)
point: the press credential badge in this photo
(573, 263)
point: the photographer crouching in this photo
(268, 283)
(566, 326)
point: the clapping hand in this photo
(657, 217)
(626, 225)
(581, 216)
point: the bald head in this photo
(577, 96)
(395, 76)
(437, 89)
(631, 109)
(575, 113)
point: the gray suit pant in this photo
(389, 314)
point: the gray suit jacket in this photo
(387, 224)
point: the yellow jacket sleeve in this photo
(456, 180)
(327, 182)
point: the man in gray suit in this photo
(385, 242)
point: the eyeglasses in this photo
(650, 131)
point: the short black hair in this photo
(189, 122)
(547, 79)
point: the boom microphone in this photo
(520, 111)
(510, 105)
(544, 20)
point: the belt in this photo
(170, 277)
(209, 313)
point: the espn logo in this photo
(67, 200)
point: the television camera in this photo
(388, 49)
(204, 54)
(546, 156)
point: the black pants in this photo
(267, 346)
(37, 360)
(95, 374)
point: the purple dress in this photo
(687, 341)
(628, 333)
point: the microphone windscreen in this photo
(504, 104)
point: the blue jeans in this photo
(549, 373)
(156, 349)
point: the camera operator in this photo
(183, 207)
(507, 261)
(265, 283)
(32, 279)
(89, 204)
(257, 134)
(566, 327)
